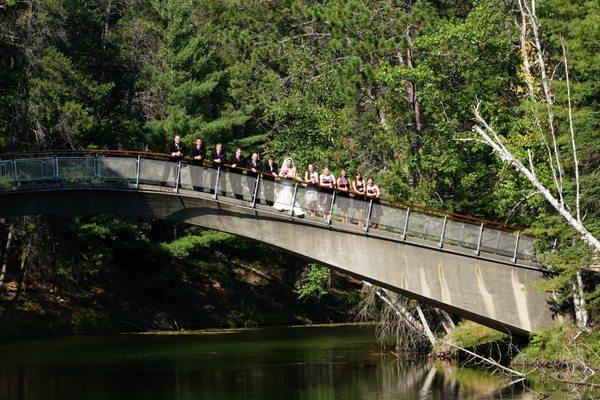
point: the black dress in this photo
(376, 207)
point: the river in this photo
(326, 362)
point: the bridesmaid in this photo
(374, 193)
(311, 177)
(327, 182)
(358, 186)
(343, 184)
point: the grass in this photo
(469, 334)
(560, 344)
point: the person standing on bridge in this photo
(218, 159)
(176, 150)
(254, 166)
(285, 199)
(268, 183)
(237, 161)
(373, 193)
(327, 182)
(358, 186)
(311, 177)
(343, 185)
(218, 156)
(198, 154)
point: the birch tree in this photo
(536, 74)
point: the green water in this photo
(342, 362)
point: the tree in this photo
(548, 137)
(187, 81)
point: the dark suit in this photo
(271, 167)
(170, 168)
(235, 178)
(257, 165)
(251, 180)
(198, 151)
(173, 147)
(218, 156)
(223, 158)
(238, 161)
(197, 174)
(268, 182)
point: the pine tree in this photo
(187, 79)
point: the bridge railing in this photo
(323, 206)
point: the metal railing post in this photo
(331, 208)
(96, 166)
(497, 241)
(368, 219)
(479, 240)
(514, 258)
(405, 229)
(294, 199)
(441, 242)
(255, 193)
(178, 177)
(16, 176)
(55, 162)
(138, 165)
(217, 176)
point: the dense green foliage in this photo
(383, 86)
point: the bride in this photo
(284, 199)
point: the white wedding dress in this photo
(283, 201)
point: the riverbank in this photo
(560, 359)
(225, 293)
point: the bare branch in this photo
(572, 131)
(509, 158)
(486, 360)
(529, 79)
(547, 91)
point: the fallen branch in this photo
(487, 360)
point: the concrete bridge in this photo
(474, 268)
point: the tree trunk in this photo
(447, 322)
(6, 251)
(581, 313)
(425, 324)
(21, 277)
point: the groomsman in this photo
(176, 150)
(218, 156)
(269, 180)
(254, 163)
(198, 154)
(237, 160)
(254, 166)
(235, 179)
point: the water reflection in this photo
(277, 363)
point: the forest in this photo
(447, 103)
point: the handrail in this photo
(207, 163)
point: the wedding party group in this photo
(319, 186)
